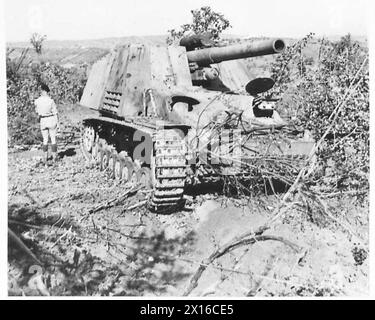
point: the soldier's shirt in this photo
(45, 106)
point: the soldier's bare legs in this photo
(45, 144)
(52, 133)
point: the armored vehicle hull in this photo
(162, 122)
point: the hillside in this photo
(75, 52)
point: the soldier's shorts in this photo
(48, 125)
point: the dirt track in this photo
(86, 250)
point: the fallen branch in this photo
(126, 235)
(114, 201)
(277, 212)
(36, 203)
(59, 239)
(45, 205)
(22, 246)
(137, 205)
(11, 221)
(232, 245)
(342, 193)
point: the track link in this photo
(167, 172)
(170, 166)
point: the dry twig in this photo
(249, 237)
(230, 246)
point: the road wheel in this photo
(105, 158)
(95, 149)
(117, 174)
(134, 175)
(144, 177)
(127, 169)
(101, 148)
(88, 138)
(111, 162)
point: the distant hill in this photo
(105, 43)
(109, 43)
(75, 52)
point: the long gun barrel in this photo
(239, 51)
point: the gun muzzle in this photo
(204, 57)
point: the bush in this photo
(314, 91)
(23, 81)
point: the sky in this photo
(95, 19)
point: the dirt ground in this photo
(90, 235)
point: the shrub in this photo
(313, 95)
(23, 83)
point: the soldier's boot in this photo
(54, 152)
(45, 150)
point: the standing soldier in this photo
(47, 111)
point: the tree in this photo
(37, 41)
(204, 20)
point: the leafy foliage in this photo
(314, 91)
(282, 68)
(23, 83)
(204, 20)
